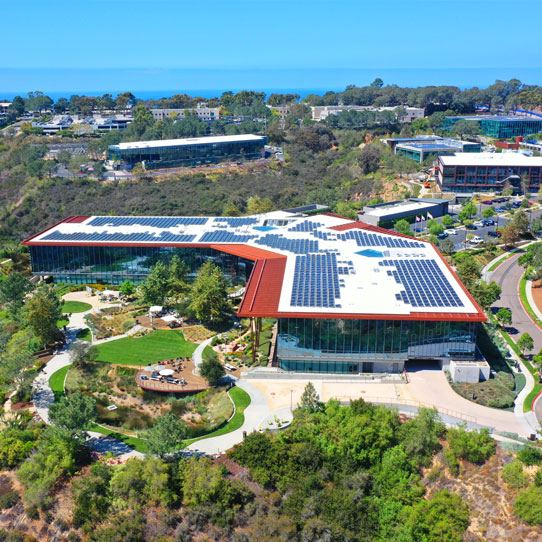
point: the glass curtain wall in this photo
(113, 265)
(333, 345)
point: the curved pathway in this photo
(197, 356)
(43, 396)
(255, 414)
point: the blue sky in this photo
(111, 44)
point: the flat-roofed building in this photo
(479, 172)
(420, 148)
(348, 297)
(188, 152)
(387, 214)
(322, 112)
(201, 111)
(500, 126)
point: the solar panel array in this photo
(316, 281)
(164, 237)
(322, 235)
(424, 282)
(305, 226)
(155, 222)
(367, 239)
(297, 246)
(224, 237)
(234, 222)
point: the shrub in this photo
(538, 478)
(474, 446)
(9, 499)
(528, 506)
(514, 476)
(529, 455)
(128, 324)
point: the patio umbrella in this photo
(166, 372)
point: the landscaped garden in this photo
(158, 345)
(113, 321)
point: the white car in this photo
(479, 224)
(475, 240)
(451, 232)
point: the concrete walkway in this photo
(197, 357)
(255, 414)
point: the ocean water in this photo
(157, 83)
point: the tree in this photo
(402, 226)
(178, 272)
(155, 288)
(79, 353)
(143, 119)
(434, 227)
(468, 211)
(42, 312)
(444, 518)
(377, 83)
(525, 343)
(469, 272)
(510, 234)
(211, 369)
(485, 294)
(209, 298)
(474, 446)
(127, 288)
(13, 290)
(420, 437)
(166, 435)
(309, 398)
(508, 189)
(521, 221)
(447, 246)
(466, 128)
(256, 205)
(488, 212)
(230, 209)
(369, 159)
(447, 221)
(74, 413)
(64, 158)
(504, 316)
(514, 475)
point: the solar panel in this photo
(306, 226)
(370, 239)
(223, 236)
(316, 281)
(235, 222)
(297, 246)
(425, 285)
(164, 237)
(156, 222)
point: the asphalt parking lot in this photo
(459, 239)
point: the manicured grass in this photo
(524, 299)
(160, 345)
(137, 444)
(502, 260)
(85, 335)
(75, 306)
(57, 381)
(241, 399)
(62, 322)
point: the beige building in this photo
(202, 111)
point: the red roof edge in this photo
(79, 219)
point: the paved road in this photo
(508, 276)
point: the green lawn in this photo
(75, 306)
(57, 381)
(241, 399)
(160, 345)
(85, 335)
(137, 444)
(62, 322)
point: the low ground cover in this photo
(75, 306)
(84, 335)
(113, 321)
(160, 345)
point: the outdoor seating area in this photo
(171, 376)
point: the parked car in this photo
(479, 224)
(488, 222)
(501, 210)
(442, 235)
(472, 227)
(494, 233)
(516, 204)
(475, 240)
(487, 202)
(450, 231)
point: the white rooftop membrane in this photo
(393, 275)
